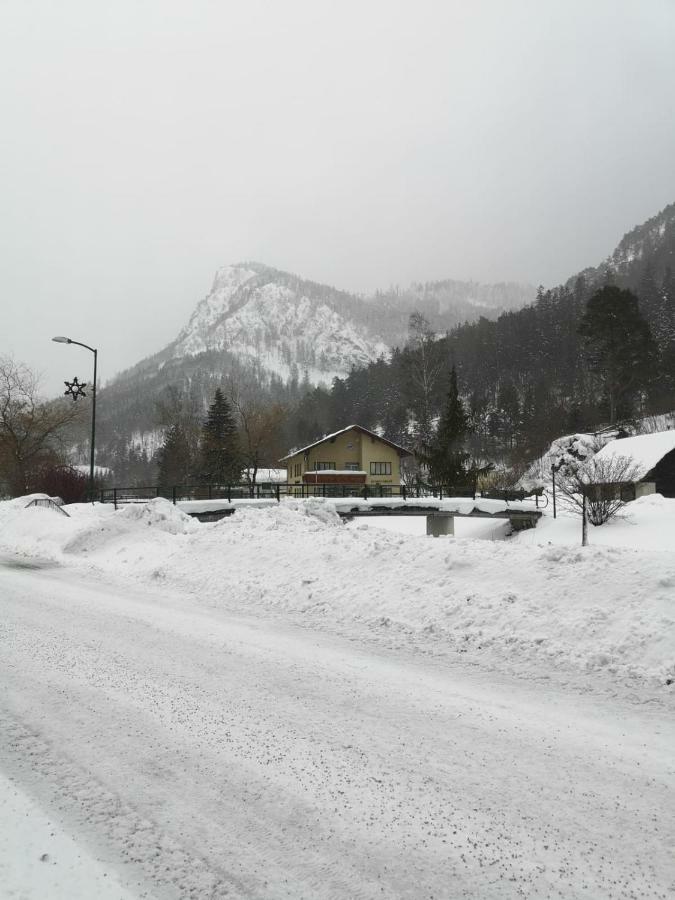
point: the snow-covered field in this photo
(281, 705)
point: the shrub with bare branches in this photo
(607, 484)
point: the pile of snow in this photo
(565, 453)
(646, 524)
(514, 605)
(32, 531)
(106, 532)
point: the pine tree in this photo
(619, 346)
(446, 456)
(220, 455)
(174, 459)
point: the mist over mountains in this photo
(285, 327)
(275, 334)
(330, 356)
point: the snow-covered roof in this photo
(330, 437)
(267, 474)
(644, 450)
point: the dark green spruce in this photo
(619, 347)
(220, 455)
(446, 455)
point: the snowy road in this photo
(195, 755)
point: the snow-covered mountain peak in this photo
(285, 325)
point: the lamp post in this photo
(66, 340)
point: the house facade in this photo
(353, 456)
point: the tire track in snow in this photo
(291, 767)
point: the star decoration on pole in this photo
(75, 389)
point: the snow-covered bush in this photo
(606, 484)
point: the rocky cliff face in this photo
(288, 327)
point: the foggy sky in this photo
(361, 144)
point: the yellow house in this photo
(354, 456)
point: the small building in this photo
(353, 456)
(652, 464)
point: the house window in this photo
(322, 466)
(298, 470)
(352, 467)
(380, 468)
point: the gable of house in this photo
(345, 455)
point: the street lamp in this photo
(65, 340)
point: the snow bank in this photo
(127, 526)
(513, 604)
(32, 531)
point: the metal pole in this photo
(584, 523)
(553, 475)
(93, 430)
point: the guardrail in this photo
(271, 491)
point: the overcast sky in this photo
(362, 144)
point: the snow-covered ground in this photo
(38, 858)
(282, 705)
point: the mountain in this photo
(277, 335)
(648, 246)
(281, 326)
(524, 377)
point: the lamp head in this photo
(61, 340)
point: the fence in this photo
(271, 491)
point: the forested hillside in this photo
(524, 377)
(270, 336)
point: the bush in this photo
(606, 484)
(65, 482)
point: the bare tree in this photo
(30, 428)
(261, 430)
(607, 484)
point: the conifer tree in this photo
(446, 457)
(174, 459)
(220, 454)
(619, 346)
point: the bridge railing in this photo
(277, 491)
